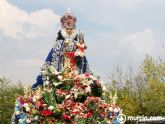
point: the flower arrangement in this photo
(66, 97)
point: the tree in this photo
(154, 72)
(8, 94)
(141, 93)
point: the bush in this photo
(141, 93)
(8, 94)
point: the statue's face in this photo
(69, 31)
(69, 23)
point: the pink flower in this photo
(73, 122)
(66, 117)
(87, 75)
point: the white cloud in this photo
(25, 70)
(123, 48)
(17, 23)
(140, 43)
(22, 60)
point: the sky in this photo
(117, 33)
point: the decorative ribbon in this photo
(81, 48)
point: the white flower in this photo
(104, 88)
(80, 76)
(56, 73)
(16, 104)
(56, 84)
(116, 110)
(103, 93)
(35, 118)
(53, 70)
(110, 109)
(37, 97)
(76, 94)
(50, 90)
(83, 76)
(85, 81)
(17, 112)
(67, 96)
(77, 53)
(101, 82)
(44, 105)
(75, 110)
(20, 121)
(120, 110)
(89, 82)
(91, 76)
(43, 72)
(34, 99)
(46, 82)
(25, 105)
(88, 89)
(27, 109)
(47, 78)
(28, 120)
(94, 78)
(59, 77)
(51, 107)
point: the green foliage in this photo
(8, 94)
(88, 121)
(154, 95)
(153, 70)
(141, 93)
(96, 89)
(49, 98)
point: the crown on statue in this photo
(68, 20)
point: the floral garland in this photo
(65, 97)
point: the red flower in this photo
(41, 104)
(83, 86)
(77, 82)
(21, 99)
(89, 114)
(46, 113)
(53, 120)
(73, 122)
(74, 112)
(103, 114)
(66, 117)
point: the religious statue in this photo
(66, 91)
(68, 51)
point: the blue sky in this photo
(117, 32)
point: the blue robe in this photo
(55, 58)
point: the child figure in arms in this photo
(80, 51)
